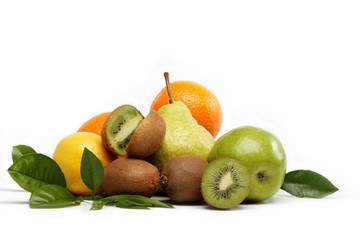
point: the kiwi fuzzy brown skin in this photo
(148, 137)
(181, 178)
(105, 139)
(131, 176)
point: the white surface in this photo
(290, 67)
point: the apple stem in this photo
(166, 75)
(261, 176)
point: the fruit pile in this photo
(122, 158)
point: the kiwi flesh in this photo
(181, 178)
(225, 183)
(148, 137)
(118, 128)
(131, 176)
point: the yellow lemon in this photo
(68, 154)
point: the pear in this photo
(184, 136)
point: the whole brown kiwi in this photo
(181, 178)
(147, 137)
(131, 176)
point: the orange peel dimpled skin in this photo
(203, 104)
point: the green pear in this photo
(184, 136)
(261, 152)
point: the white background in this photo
(290, 67)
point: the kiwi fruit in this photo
(181, 178)
(131, 176)
(126, 132)
(225, 183)
(118, 128)
(148, 137)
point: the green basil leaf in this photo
(21, 150)
(128, 200)
(128, 205)
(131, 202)
(115, 198)
(139, 202)
(97, 205)
(151, 202)
(138, 207)
(306, 183)
(92, 170)
(94, 197)
(34, 170)
(155, 203)
(108, 201)
(52, 196)
(168, 204)
(125, 204)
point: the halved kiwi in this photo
(148, 136)
(225, 183)
(126, 132)
(118, 128)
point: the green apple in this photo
(261, 152)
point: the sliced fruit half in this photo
(118, 128)
(148, 136)
(225, 183)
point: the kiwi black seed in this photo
(131, 176)
(181, 178)
(225, 183)
(148, 137)
(118, 128)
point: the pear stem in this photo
(166, 75)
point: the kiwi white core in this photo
(226, 181)
(127, 129)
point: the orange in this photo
(94, 124)
(68, 154)
(202, 103)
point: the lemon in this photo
(68, 154)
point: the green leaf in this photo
(52, 196)
(97, 205)
(115, 198)
(34, 170)
(138, 202)
(94, 197)
(168, 204)
(123, 204)
(306, 183)
(21, 150)
(129, 201)
(92, 170)
(150, 201)
(155, 203)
